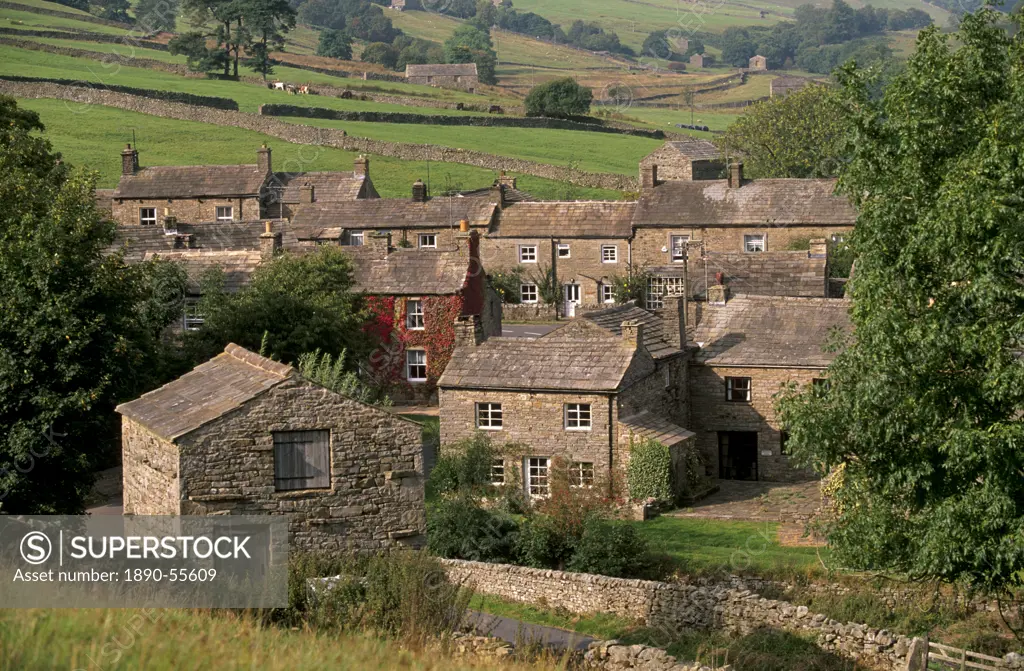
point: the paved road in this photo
(527, 330)
(515, 631)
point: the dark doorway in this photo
(737, 455)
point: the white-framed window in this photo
(581, 474)
(668, 377)
(147, 216)
(607, 293)
(528, 253)
(577, 417)
(428, 240)
(225, 213)
(659, 287)
(498, 472)
(755, 242)
(528, 293)
(416, 365)
(564, 251)
(677, 246)
(536, 471)
(737, 389)
(488, 416)
(609, 253)
(193, 318)
(414, 314)
(352, 238)
(302, 460)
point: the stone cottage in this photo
(688, 159)
(156, 195)
(757, 63)
(579, 394)
(749, 347)
(696, 61)
(444, 75)
(241, 434)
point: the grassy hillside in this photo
(92, 136)
(170, 640)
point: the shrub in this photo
(632, 287)
(559, 98)
(465, 468)
(330, 372)
(508, 284)
(542, 544)
(650, 470)
(613, 548)
(548, 289)
(334, 44)
(458, 528)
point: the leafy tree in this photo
(486, 15)
(322, 14)
(559, 98)
(922, 411)
(802, 134)
(266, 22)
(294, 305)
(334, 44)
(79, 330)
(469, 44)
(223, 14)
(381, 54)
(463, 9)
(198, 57)
(156, 15)
(114, 10)
(737, 47)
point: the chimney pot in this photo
(464, 226)
(633, 333)
(735, 175)
(270, 243)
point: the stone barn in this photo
(697, 61)
(757, 63)
(444, 75)
(689, 159)
(245, 435)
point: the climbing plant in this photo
(649, 473)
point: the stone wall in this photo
(711, 413)
(649, 240)
(86, 18)
(376, 497)
(277, 109)
(528, 312)
(172, 96)
(149, 472)
(672, 608)
(300, 134)
(126, 212)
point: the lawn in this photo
(724, 546)
(21, 20)
(92, 135)
(168, 639)
(594, 152)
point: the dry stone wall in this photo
(174, 96)
(85, 18)
(300, 134)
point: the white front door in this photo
(571, 293)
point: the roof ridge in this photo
(255, 360)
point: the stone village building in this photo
(462, 76)
(689, 159)
(244, 435)
(579, 393)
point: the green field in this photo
(92, 136)
(21, 20)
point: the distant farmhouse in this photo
(697, 61)
(757, 63)
(241, 434)
(444, 75)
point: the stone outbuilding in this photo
(245, 435)
(580, 394)
(444, 75)
(696, 61)
(690, 159)
(749, 348)
(757, 63)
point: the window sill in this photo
(490, 428)
(415, 328)
(589, 428)
(416, 380)
(301, 493)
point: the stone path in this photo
(792, 505)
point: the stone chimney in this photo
(818, 249)
(507, 180)
(306, 194)
(380, 242)
(648, 176)
(718, 294)
(263, 159)
(633, 333)
(469, 331)
(735, 175)
(419, 191)
(270, 243)
(129, 160)
(673, 319)
(361, 167)
(498, 194)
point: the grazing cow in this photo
(459, 106)
(495, 109)
(304, 89)
(279, 86)
(346, 94)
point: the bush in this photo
(464, 468)
(458, 528)
(542, 544)
(508, 284)
(559, 98)
(613, 548)
(334, 44)
(381, 54)
(650, 470)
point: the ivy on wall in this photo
(649, 473)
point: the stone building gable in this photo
(236, 267)
(192, 181)
(587, 219)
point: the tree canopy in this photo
(334, 44)
(922, 410)
(469, 44)
(559, 98)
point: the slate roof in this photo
(192, 181)
(441, 70)
(762, 201)
(610, 320)
(696, 149)
(137, 241)
(388, 213)
(541, 365)
(328, 187)
(770, 331)
(764, 274)
(581, 219)
(237, 266)
(409, 272)
(208, 392)
(648, 425)
(512, 195)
